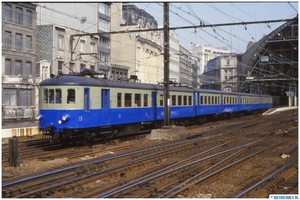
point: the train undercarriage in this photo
(89, 136)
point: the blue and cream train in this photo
(83, 108)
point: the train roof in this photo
(88, 81)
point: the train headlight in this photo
(65, 118)
(40, 117)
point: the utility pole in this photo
(166, 66)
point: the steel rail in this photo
(195, 179)
(267, 178)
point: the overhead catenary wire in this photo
(175, 29)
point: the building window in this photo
(71, 44)
(7, 40)
(28, 18)
(60, 44)
(7, 67)
(19, 15)
(104, 25)
(82, 46)
(28, 43)
(104, 58)
(92, 47)
(9, 97)
(60, 64)
(8, 13)
(25, 98)
(71, 67)
(28, 69)
(18, 43)
(104, 43)
(104, 9)
(18, 67)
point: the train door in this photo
(105, 105)
(154, 105)
(86, 100)
(195, 99)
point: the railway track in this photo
(175, 168)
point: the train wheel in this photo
(55, 138)
(115, 132)
(89, 138)
(187, 122)
(65, 142)
(201, 120)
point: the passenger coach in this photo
(84, 108)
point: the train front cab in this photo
(59, 106)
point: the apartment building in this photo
(19, 78)
(185, 66)
(65, 52)
(221, 73)
(58, 52)
(174, 57)
(138, 52)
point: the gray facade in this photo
(221, 73)
(185, 68)
(69, 19)
(19, 78)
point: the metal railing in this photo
(18, 115)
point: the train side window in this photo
(179, 100)
(145, 100)
(119, 100)
(137, 100)
(161, 100)
(184, 100)
(173, 100)
(190, 100)
(205, 100)
(46, 96)
(127, 100)
(71, 96)
(51, 95)
(58, 96)
(201, 100)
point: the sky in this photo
(234, 38)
